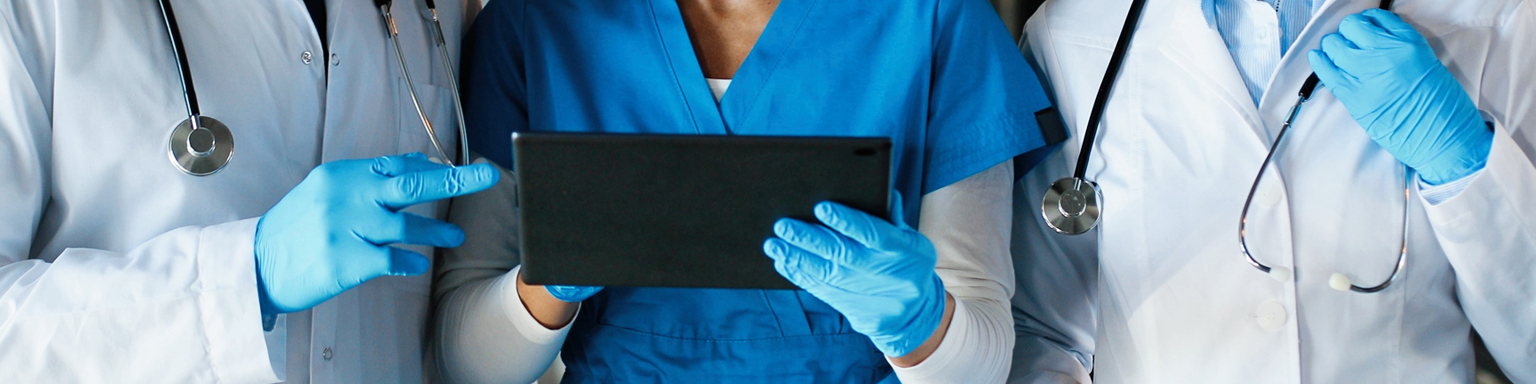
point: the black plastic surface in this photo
(679, 211)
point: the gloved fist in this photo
(332, 231)
(878, 275)
(1388, 77)
(572, 293)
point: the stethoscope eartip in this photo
(1280, 274)
(1339, 282)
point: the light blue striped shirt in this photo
(1258, 33)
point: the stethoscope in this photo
(202, 145)
(1071, 204)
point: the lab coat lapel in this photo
(1294, 67)
(771, 47)
(685, 68)
(1189, 41)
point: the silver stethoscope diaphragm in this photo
(201, 147)
(1071, 205)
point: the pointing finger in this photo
(420, 187)
(408, 163)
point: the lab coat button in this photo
(1271, 315)
(1269, 197)
(307, 57)
(326, 354)
(335, 60)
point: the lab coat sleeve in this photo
(181, 307)
(1488, 231)
(968, 224)
(483, 332)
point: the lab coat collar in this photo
(1175, 29)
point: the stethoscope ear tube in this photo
(1071, 205)
(1337, 281)
(393, 34)
(200, 145)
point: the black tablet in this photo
(679, 210)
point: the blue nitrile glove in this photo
(1388, 78)
(572, 293)
(332, 231)
(877, 274)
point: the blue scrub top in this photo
(941, 78)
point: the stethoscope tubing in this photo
(1096, 114)
(410, 84)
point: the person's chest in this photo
(818, 68)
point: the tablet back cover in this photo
(680, 211)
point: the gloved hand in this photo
(332, 231)
(878, 275)
(572, 293)
(1386, 74)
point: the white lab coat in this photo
(115, 266)
(1160, 292)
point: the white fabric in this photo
(1159, 292)
(115, 266)
(485, 334)
(718, 87)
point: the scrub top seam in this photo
(784, 50)
(672, 67)
(960, 159)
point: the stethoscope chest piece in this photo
(1071, 205)
(201, 148)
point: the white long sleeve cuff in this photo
(232, 311)
(969, 223)
(488, 336)
(1434, 194)
(970, 350)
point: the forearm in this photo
(485, 335)
(969, 224)
(1487, 234)
(189, 295)
(976, 347)
(544, 307)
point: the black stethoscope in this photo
(1071, 204)
(202, 145)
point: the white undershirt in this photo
(718, 87)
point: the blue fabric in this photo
(943, 80)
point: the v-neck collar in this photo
(771, 47)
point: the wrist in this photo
(550, 312)
(934, 338)
(1457, 164)
(926, 321)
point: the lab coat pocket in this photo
(437, 104)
